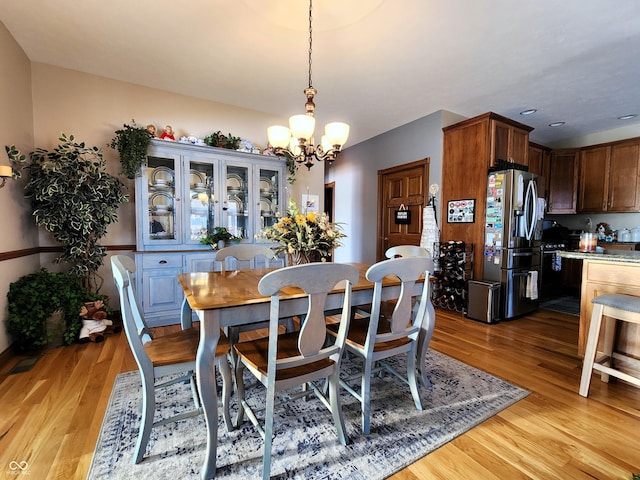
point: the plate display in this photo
(266, 208)
(161, 177)
(234, 182)
(198, 180)
(161, 202)
(235, 205)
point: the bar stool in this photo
(617, 306)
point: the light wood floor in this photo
(50, 416)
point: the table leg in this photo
(206, 379)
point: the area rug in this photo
(305, 445)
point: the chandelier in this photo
(296, 142)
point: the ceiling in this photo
(377, 64)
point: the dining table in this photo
(230, 298)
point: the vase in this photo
(299, 257)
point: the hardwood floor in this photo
(50, 416)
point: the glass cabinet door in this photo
(269, 184)
(160, 226)
(201, 211)
(236, 205)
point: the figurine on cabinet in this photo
(152, 130)
(168, 134)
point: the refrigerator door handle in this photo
(527, 254)
(530, 209)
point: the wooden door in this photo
(402, 185)
(624, 180)
(594, 179)
(563, 181)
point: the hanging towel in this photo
(556, 264)
(430, 235)
(532, 285)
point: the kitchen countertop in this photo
(631, 256)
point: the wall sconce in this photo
(5, 172)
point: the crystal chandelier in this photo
(297, 141)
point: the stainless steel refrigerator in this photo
(513, 229)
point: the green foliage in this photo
(218, 234)
(16, 158)
(292, 167)
(74, 198)
(635, 476)
(132, 143)
(33, 298)
(217, 139)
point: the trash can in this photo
(484, 301)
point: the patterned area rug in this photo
(306, 444)
(565, 304)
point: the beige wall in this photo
(41, 101)
(16, 127)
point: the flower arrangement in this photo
(306, 237)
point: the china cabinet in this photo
(182, 194)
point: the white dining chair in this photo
(406, 251)
(300, 358)
(248, 256)
(173, 355)
(375, 338)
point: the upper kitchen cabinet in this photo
(539, 163)
(610, 177)
(470, 148)
(563, 181)
(510, 140)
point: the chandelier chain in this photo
(310, 41)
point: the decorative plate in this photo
(161, 202)
(162, 176)
(198, 180)
(265, 207)
(235, 205)
(234, 182)
(265, 184)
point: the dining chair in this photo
(407, 251)
(247, 256)
(300, 358)
(240, 257)
(159, 356)
(376, 338)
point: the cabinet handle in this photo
(162, 262)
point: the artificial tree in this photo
(74, 198)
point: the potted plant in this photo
(219, 237)
(44, 306)
(131, 142)
(217, 139)
(75, 199)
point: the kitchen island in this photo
(612, 271)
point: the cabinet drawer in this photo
(605, 273)
(162, 261)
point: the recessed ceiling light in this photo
(627, 117)
(528, 112)
(556, 124)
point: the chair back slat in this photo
(407, 251)
(316, 280)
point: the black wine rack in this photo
(454, 270)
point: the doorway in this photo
(401, 188)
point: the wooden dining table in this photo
(223, 299)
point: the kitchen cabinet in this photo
(182, 194)
(563, 181)
(510, 141)
(470, 148)
(539, 163)
(610, 177)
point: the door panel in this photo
(402, 185)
